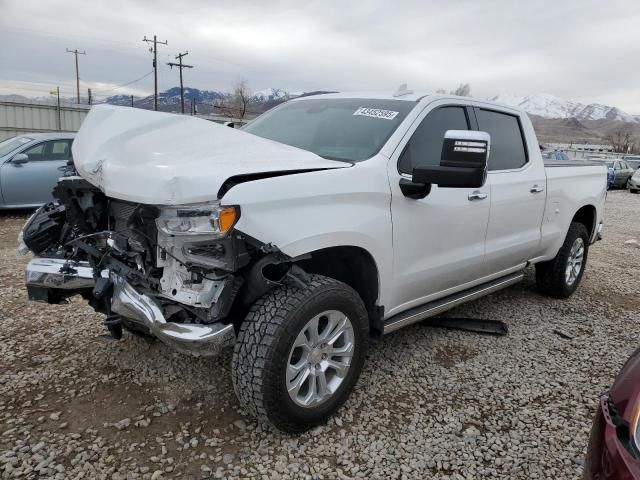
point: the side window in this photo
(508, 150)
(617, 166)
(36, 152)
(624, 165)
(425, 146)
(59, 150)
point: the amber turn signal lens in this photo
(227, 218)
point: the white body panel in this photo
(568, 189)
(166, 159)
(517, 206)
(439, 240)
(423, 249)
(328, 208)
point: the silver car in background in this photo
(633, 161)
(634, 182)
(30, 166)
(622, 172)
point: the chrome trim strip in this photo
(438, 306)
(58, 273)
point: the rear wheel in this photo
(561, 276)
(300, 352)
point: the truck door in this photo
(438, 240)
(517, 181)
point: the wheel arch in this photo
(587, 216)
(354, 266)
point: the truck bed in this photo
(571, 163)
(578, 183)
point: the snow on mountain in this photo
(549, 106)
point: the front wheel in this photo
(300, 352)
(561, 276)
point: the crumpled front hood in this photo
(167, 159)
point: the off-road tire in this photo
(264, 342)
(550, 276)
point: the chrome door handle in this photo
(477, 195)
(536, 189)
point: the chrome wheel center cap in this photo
(316, 355)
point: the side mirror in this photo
(463, 163)
(230, 124)
(20, 158)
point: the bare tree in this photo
(236, 104)
(621, 141)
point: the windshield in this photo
(348, 129)
(10, 144)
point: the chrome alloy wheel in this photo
(320, 358)
(575, 261)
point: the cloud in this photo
(578, 49)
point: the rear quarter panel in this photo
(569, 188)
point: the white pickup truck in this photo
(325, 222)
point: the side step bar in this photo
(430, 309)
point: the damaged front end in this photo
(179, 273)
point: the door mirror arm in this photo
(415, 190)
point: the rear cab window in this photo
(508, 146)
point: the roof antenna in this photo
(402, 90)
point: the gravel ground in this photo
(431, 403)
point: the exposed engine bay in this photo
(176, 273)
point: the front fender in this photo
(304, 212)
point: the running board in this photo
(430, 309)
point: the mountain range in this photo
(555, 119)
(549, 106)
(169, 100)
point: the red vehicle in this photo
(614, 446)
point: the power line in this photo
(180, 65)
(76, 53)
(102, 92)
(155, 67)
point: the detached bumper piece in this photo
(48, 279)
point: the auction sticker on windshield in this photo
(376, 113)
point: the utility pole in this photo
(154, 49)
(59, 116)
(180, 65)
(76, 53)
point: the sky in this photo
(583, 50)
